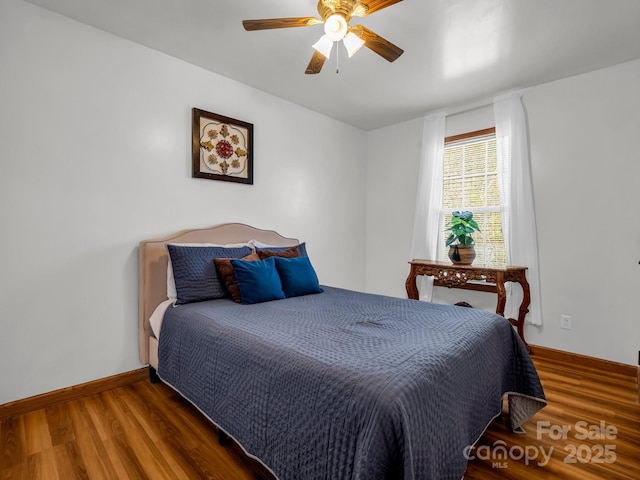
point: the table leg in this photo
(524, 307)
(411, 286)
(502, 295)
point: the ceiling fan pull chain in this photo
(337, 58)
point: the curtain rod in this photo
(469, 107)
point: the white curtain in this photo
(516, 200)
(426, 223)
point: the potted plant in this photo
(460, 241)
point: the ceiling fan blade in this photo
(367, 7)
(268, 23)
(375, 42)
(316, 63)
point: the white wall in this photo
(95, 156)
(586, 169)
(583, 141)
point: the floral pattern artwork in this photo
(224, 148)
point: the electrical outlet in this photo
(565, 322)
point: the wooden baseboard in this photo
(20, 407)
(585, 361)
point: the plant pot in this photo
(462, 254)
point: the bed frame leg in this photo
(223, 438)
(153, 375)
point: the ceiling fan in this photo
(335, 14)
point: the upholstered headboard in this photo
(153, 258)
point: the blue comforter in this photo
(347, 385)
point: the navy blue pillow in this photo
(258, 281)
(195, 272)
(297, 276)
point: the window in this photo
(471, 183)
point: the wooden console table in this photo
(493, 279)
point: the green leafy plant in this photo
(461, 226)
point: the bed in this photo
(334, 384)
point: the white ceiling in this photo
(457, 52)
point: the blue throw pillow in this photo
(195, 272)
(297, 276)
(258, 281)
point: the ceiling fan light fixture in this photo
(335, 15)
(324, 46)
(335, 27)
(352, 43)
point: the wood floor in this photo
(146, 431)
(590, 430)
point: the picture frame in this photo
(222, 148)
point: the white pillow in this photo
(258, 244)
(171, 282)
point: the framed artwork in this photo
(222, 148)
